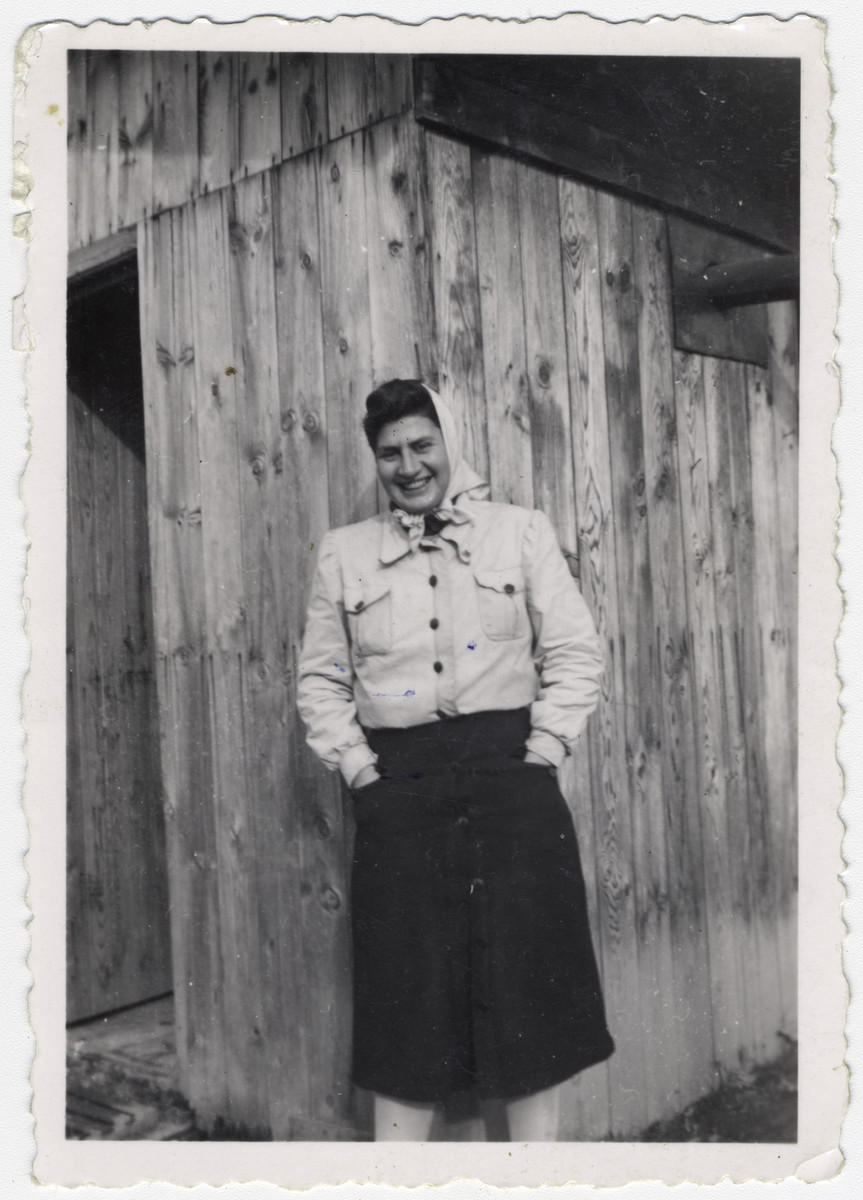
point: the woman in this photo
(449, 664)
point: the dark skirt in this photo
(473, 962)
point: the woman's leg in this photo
(402, 1120)
(535, 1118)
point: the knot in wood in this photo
(624, 278)
(330, 899)
(343, 345)
(252, 87)
(335, 173)
(279, 463)
(395, 248)
(322, 825)
(544, 373)
(259, 463)
(289, 419)
(310, 422)
(399, 181)
(305, 261)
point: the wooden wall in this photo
(117, 929)
(543, 307)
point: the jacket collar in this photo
(398, 541)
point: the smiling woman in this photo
(466, 870)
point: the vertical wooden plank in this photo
(634, 921)
(400, 304)
(171, 411)
(783, 353)
(545, 339)
(455, 285)
(218, 119)
(82, 755)
(690, 914)
(77, 158)
(347, 329)
(103, 103)
(304, 102)
(732, 528)
(320, 941)
(227, 599)
(135, 137)
(175, 129)
(773, 576)
(350, 92)
(639, 669)
(260, 112)
(393, 83)
(722, 790)
(503, 335)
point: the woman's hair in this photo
(393, 401)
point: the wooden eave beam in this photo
(747, 281)
(447, 97)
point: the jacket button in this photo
(360, 604)
(433, 580)
(438, 667)
(434, 623)
(462, 822)
(508, 588)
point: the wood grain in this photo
(218, 120)
(673, 640)
(175, 127)
(351, 95)
(304, 102)
(77, 157)
(503, 335)
(135, 138)
(260, 112)
(455, 287)
(347, 328)
(393, 84)
(179, 620)
(103, 103)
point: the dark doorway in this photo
(118, 942)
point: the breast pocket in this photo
(500, 596)
(369, 613)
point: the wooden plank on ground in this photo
(545, 340)
(722, 790)
(400, 302)
(227, 592)
(690, 917)
(609, 785)
(640, 699)
(503, 335)
(175, 127)
(135, 138)
(304, 102)
(347, 328)
(218, 120)
(77, 153)
(171, 406)
(455, 286)
(260, 112)
(351, 102)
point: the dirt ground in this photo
(109, 1099)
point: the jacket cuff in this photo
(354, 759)
(547, 746)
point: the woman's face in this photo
(412, 464)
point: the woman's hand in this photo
(367, 775)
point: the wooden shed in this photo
(255, 242)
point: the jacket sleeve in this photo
(325, 689)
(567, 650)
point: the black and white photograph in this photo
(431, 593)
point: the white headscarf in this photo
(463, 479)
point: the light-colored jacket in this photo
(484, 616)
